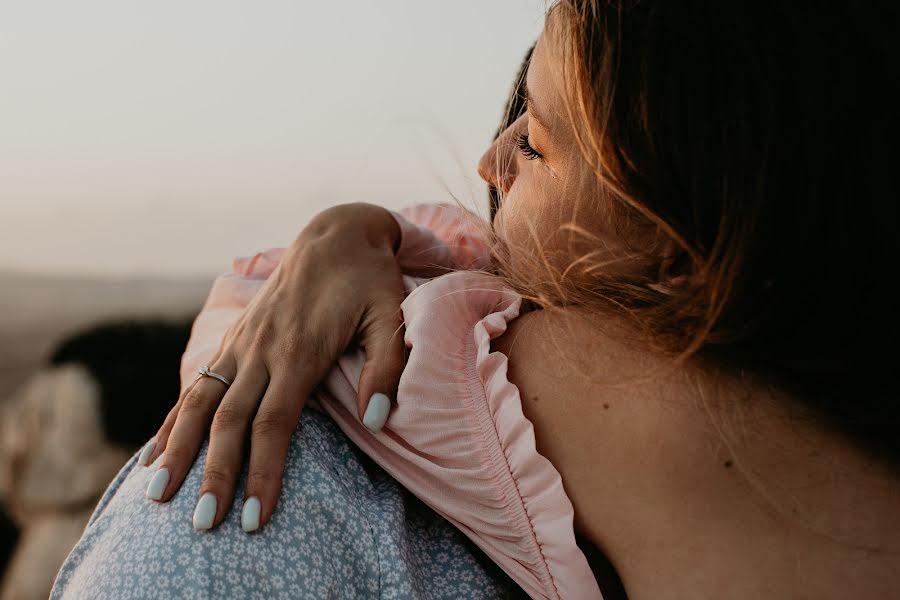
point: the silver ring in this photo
(205, 372)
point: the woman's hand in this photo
(338, 282)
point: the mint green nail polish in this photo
(250, 514)
(205, 513)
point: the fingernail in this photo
(144, 458)
(158, 484)
(205, 512)
(250, 514)
(377, 412)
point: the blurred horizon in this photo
(163, 139)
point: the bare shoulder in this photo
(566, 377)
(561, 372)
(535, 368)
(548, 400)
(560, 360)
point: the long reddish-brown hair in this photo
(758, 141)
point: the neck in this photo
(696, 485)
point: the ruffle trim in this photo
(540, 530)
(533, 477)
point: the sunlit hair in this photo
(749, 147)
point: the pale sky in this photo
(165, 137)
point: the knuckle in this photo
(176, 455)
(270, 424)
(314, 344)
(297, 346)
(280, 349)
(308, 347)
(337, 212)
(195, 402)
(261, 477)
(263, 337)
(228, 419)
(320, 220)
(216, 475)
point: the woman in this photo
(697, 207)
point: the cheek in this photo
(533, 218)
(527, 211)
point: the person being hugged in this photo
(659, 371)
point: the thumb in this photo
(382, 337)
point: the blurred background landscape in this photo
(37, 310)
(144, 145)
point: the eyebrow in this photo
(533, 109)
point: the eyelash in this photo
(526, 149)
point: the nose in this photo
(498, 166)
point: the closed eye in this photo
(526, 149)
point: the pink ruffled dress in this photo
(456, 436)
